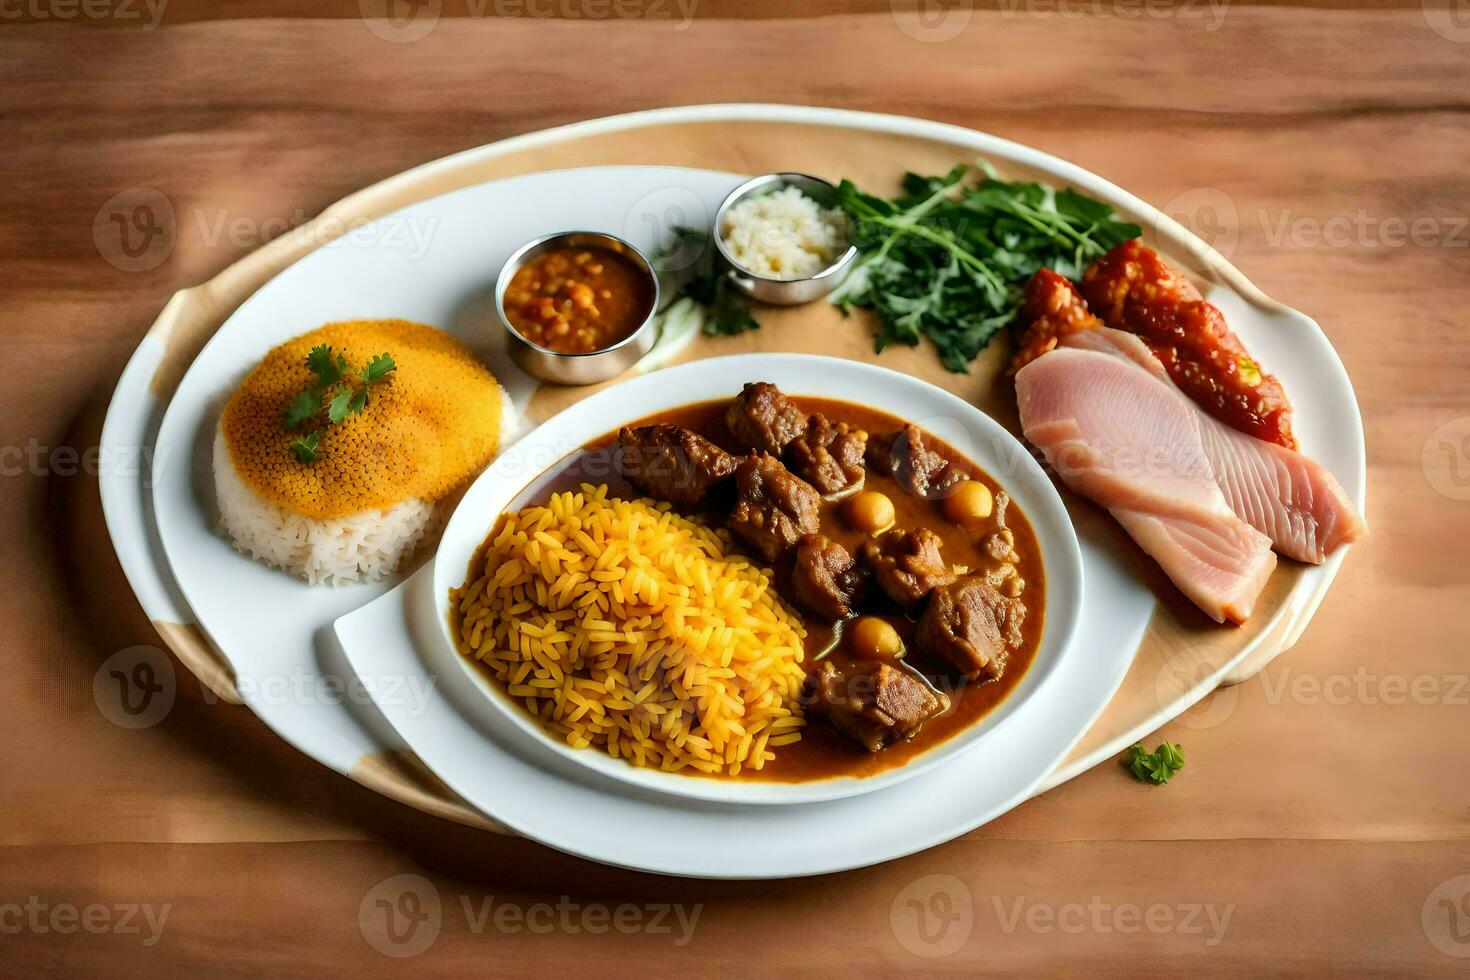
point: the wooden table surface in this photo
(1322, 822)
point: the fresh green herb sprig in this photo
(304, 448)
(948, 262)
(703, 277)
(728, 315)
(1156, 767)
(337, 389)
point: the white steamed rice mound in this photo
(363, 547)
(360, 547)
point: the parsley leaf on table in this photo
(729, 319)
(1155, 767)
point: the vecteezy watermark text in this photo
(1212, 12)
(935, 915)
(36, 458)
(1204, 919)
(1215, 218)
(683, 10)
(405, 21)
(301, 687)
(136, 230)
(406, 233)
(1365, 686)
(125, 11)
(39, 917)
(571, 917)
(402, 916)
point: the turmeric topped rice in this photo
(433, 425)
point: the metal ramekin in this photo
(783, 292)
(577, 369)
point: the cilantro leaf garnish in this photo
(708, 283)
(304, 449)
(377, 369)
(1155, 767)
(336, 387)
(326, 365)
(305, 405)
(337, 407)
(728, 320)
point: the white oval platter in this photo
(341, 731)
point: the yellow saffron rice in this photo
(624, 626)
(434, 424)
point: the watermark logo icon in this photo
(135, 688)
(134, 230)
(1450, 19)
(931, 21)
(1446, 459)
(1212, 215)
(663, 217)
(400, 21)
(933, 916)
(1185, 670)
(1446, 917)
(401, 916)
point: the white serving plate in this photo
(343, 732)
(958, 423)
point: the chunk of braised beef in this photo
(906, 564)
(672, 463)
(764, 420)
(773, 508)
(1002, 546)
(921, 471)
(829, 456)
(826, 579)
(971, 625)
(875, 703)
(879, 454)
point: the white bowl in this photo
(526, 465)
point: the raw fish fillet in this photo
(1290, 498)
(1119, 434)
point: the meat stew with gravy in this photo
(922, 611)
